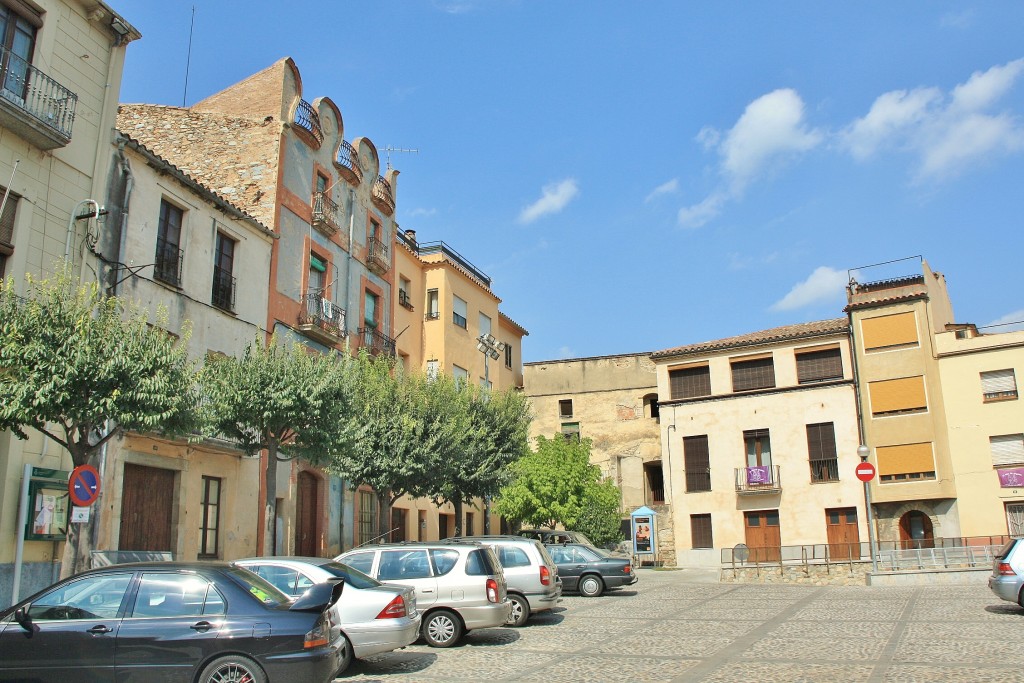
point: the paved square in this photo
(681, 626)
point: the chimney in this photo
(410, 236)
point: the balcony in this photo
(377, 342)
(759, 480)
(403, 300)
(167, 268)
(383, 197)
(378, 259)
(33, 105)
(308, 120)
(223, 289)
(325, 213)
(321, 319)
(347, 163)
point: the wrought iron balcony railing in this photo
(377, 256)
(377, 342)
(347, 162)
(49, 106)
(403, 299)
(383, 197)
(307, 119)
(325, 213)
(322, 318)
(824, 470)
(223, 289)
(168, 262)
(760, 479)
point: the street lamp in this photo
(488, 345)
(863, 451)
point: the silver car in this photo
(1007, 580)
(460, 586)
(373, 617)
(532, 576)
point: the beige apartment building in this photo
(60, 75)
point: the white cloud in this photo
(892, 112)
(422, 212)
(670, 187)
(1011, 322)
(985, 88)
(959, 20)
(554, 198)
(565, 352)
(824, 284)
(699, 214)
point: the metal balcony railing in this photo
(377, 342)
(307, 119)
(348, 161)
(824, 470)
(223, 289)
(377, 255)
(383, 197)
(403, 299)
(760, 479)
(698, 480)
(325, 213)
(322, 315)
(36, 94)
(168, 262)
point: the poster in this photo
(49, 513)
(643, 531)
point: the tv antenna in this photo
(388, 149)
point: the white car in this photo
(373, 617)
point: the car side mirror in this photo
(21, 616)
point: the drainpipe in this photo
(870, 521)
(126, 169)
(348, 260)
(668, 459)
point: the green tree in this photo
(81, 367)
(284, 400)
(557, 484)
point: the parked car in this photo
(549, 536)
(373, 617)
(531, 575)
(459, 586)
(1007, 580)
(591, 571)
(170, 621)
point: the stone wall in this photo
(848, 574)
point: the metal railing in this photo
(323, 313)
(37, 94)
(404, 300)
(824, 471)
(377, 254)
(168, 262)
(757, 480)
(307, 119)
(325, 212)
(377, 342)
(698, 480)
(348, 158)
(382, 193)
(223, 289)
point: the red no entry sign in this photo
(865, 471)
(84, 485)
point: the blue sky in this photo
(638, 176)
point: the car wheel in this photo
(442, 629)
(520, 610)
(591, 586)
(232, 669)
(346, 655)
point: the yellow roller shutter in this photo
(889, 330)
(910, 458)
(897, 395)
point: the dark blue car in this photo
(590, 571)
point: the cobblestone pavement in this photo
(684, 626)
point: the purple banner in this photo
(761, 474)
(1011, 478)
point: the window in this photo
(700, 531)
(445, 560)
(10, 209)
(759, 448)
(510, 556)
(460, 374)
(905, 462)
(370, 312)
(432, 312)
(404, 298)
(690, 382)
(651, 407)
(459, 312)
(998, 385)
(367, 521)
(821, 452)
(485, 324)
(508, 355)
(18, 36)
(571, 431)
(565, 407)
(403, 564)
(321, 182)
(889, 332)
(897, 396)
(757, 373)
(433, 367)
(317, 272)
(176, 595)
(168, 253)
(91, 597)
(362, 562)
(223, 267)
(1007, 449)
(819, 366)
(209, 525)
(697, 463)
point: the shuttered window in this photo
(700, 531)
(821, 452)
(819, 366)
(697, 462)
(889, 331)
(914, 458)
(895, 396)
(1007, 449)
(7, 219)
(690, 382)
(459, 312)
(998, 385)
(758, 373)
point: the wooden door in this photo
(306, 535)
(398, 523)
(763, 536)
(843, 535)
(147, 509)
(916, 531)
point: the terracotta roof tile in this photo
(775, 334)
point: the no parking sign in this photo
(84, 485)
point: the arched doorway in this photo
(916, 530)
(306, 533)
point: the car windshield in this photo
(352, 576)
(258, 587)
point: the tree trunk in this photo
(270, 522)
(383, 516)
(457, 503)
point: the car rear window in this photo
(544, 554)
(444, 560)
(258, 587)
(510, 556)
(481, 562)
(1005, 550)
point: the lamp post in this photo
(488, 345)
(863, 451)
